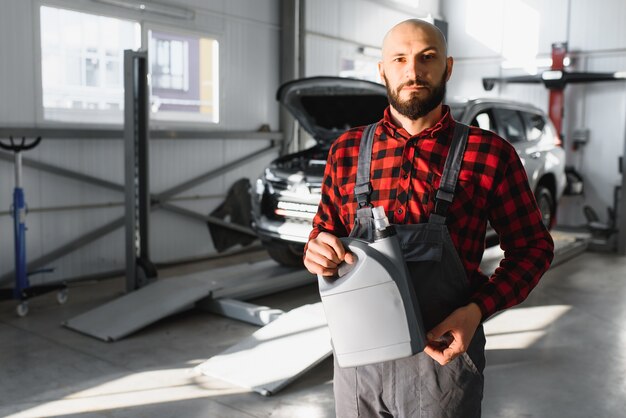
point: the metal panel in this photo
(597, 27)
(276, 354)
(604, 116)
(337, 29)
(133, 311)
(16, 66)
(251, 77)
(243, 311)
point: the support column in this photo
(292, 62)
(139, 268)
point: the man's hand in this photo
(325, 253)
(452, 337)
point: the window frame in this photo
(145, 23)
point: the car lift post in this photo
(139, 268)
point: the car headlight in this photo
(259, 186)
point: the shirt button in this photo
(406, 176)
(400, 211)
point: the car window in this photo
(535, 125)
(510, 124)
(484, 120)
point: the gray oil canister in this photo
(371, 307)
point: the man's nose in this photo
(410, 70)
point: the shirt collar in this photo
(443, 125)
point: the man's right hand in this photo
(325, 253)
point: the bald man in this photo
(440, 182)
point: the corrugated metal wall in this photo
(249, 36)
(336, 29)
(485, 33)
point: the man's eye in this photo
(428, 57)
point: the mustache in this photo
(416, 82)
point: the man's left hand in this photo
(452, 337)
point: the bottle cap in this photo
(380, 218)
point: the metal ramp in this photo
(164, 297)
(278, 353)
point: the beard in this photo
(414, 107)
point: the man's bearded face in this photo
(415, 107)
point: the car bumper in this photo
(287, 231)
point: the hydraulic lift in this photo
(556, 79)
(147, 299)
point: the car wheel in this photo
(545, 201)
(284, 254)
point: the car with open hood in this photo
(286, 196)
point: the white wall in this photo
(249, 36)
(485, 33)
(337, 28)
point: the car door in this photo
(512, 127)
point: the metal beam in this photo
(99, 133)
(207, 218)
(165, 195)
(97, 233)
(242, 311)
(63, 172)
(157, 201)
(69, 247)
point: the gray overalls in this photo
(418, 386)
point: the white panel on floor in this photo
(276, 354)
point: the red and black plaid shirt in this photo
(492, 186)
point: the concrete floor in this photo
(559, 354)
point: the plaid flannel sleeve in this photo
(328, 216)
(527, 244)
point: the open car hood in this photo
(326, 107)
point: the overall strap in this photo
(451, 169)
(363, 187)
(364, 222)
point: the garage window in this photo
(82, 64)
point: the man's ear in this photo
(381, 72)
(449, 65)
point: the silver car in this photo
(285, 197)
